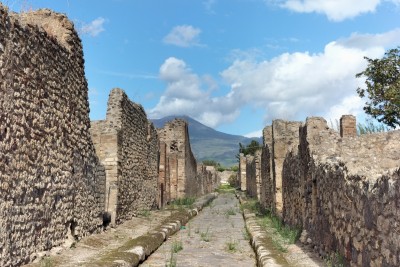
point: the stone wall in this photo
(208, 179)
(51, 183)
(229, 176)
(352, 185)
(267, 187)
(179, 174)
(343, 191)
(127, 145)
(242, 172)
(253, 175)
(285, 137)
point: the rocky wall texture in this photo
(285, 137)
(51, 183)
(127, 145)
(345, 193)
(267, 192)
(208, 179)
(178, 167)
(242, 172)
(253, 177)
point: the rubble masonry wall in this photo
(51, 183)
(343, 190)
(127, 145)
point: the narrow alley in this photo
(215, 237)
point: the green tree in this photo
(250, 149)
(383, 88)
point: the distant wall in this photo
(51, 184)
(127, 145)
(285, 138)
(343, 190)
(179, 174)
(242, 172)
(253, 177)
(208, 179)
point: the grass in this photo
(176, 246)
(189, 230)
(252, 205)
(225, 188)
(246, 234)
(186, 201)
(46, 262)
(289, 235)
(205, 236)
(370, 127)
(281, 235)
(171, 262)
(144, 213)
(335, 260)
(230, 211)
(231, 246)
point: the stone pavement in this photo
(125, 245)
(215, 237)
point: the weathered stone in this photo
(179, 174)
(342, 190)
(51, 182)
(127, 143)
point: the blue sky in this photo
(234, 65)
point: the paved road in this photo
(215, 237)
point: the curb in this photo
(257, 235)
(135, 251)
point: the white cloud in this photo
(94, 28)
(290, 86)
(258, 133)
(348, 105)
(183, 36)
(335, 10)
(209, 6)
(294, 86)
(189, 94)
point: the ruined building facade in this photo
(62, 177)
(51, 182)
(343, 190)
(179, 175)
(126, 143)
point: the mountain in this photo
(209, 144)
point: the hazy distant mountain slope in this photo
(208, 143)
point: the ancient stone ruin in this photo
(342, 189)
(51, 182)
(127, 145)
(63, 177)
(179, 175)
